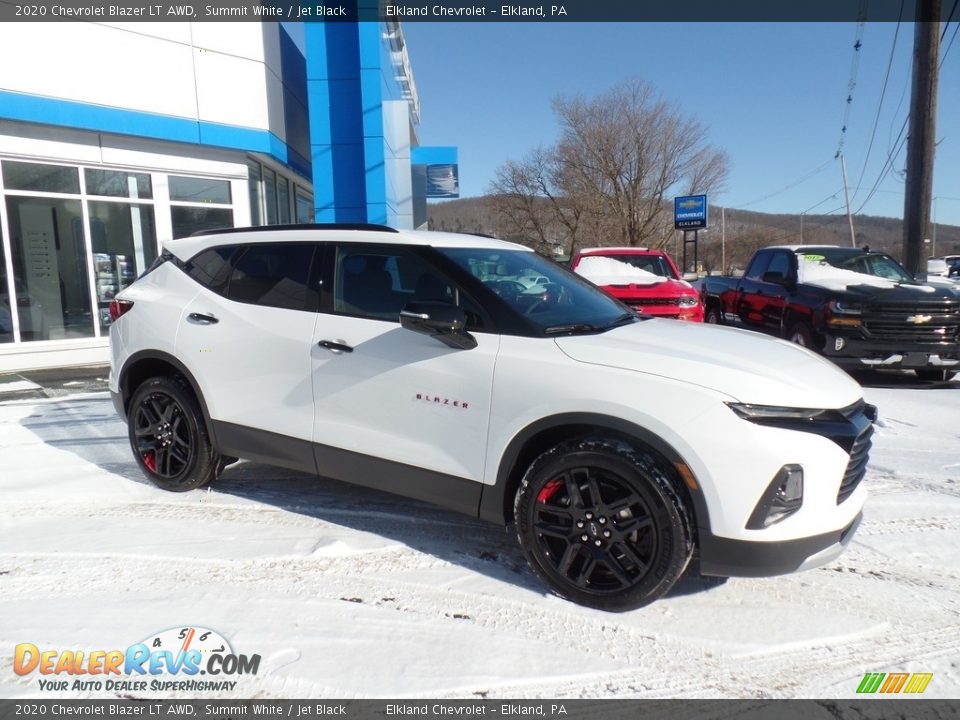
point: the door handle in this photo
(335, 346)
(203, 319)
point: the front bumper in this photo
(854, 352)
(726, 557)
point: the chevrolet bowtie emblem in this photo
(919, 319)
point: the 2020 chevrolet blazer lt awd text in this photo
(617, 445)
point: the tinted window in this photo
(273, 274)
(114, 183)
(41, 178)
(759, 265)
(211, 268)
(563, 302)
(780, 264)
(377, 281)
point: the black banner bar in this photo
(460, 11)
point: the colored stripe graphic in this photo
(893, 683)
(870, 682)
(918, 683)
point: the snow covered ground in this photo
(346, 592)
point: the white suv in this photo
(617, 445)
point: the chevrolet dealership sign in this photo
(690, 212)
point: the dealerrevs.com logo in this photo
(169, 661)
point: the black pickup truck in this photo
(858, 308)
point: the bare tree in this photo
(621, 156)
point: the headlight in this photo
(689, 301)
(761, 413)
(843, 307)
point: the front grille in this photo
(930, 321)
(857, 466)
(654, 301)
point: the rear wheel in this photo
(168, 436)
(602, 525)
(931, 375)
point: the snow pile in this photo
(346, 592)
(601, 270)
(825, 275)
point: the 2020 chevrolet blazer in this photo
(616, 445)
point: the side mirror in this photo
(446, 322)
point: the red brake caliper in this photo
(549, 490)
(150, 460)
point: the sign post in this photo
(690, 213)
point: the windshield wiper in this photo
(589, 327)
(573, 328)
(622, 320)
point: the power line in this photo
(792, 185)
(854, 71)
(883, 93)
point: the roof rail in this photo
(307, 226)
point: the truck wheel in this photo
(935, 375)
(168, 435)
(801, 334)
(602, 525)
(712, 316)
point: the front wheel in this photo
(602, 525)
(168, 436)
(712, 316)
(801, 334)
(932, 375)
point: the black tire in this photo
(931, 375)
(623, 500)
(801, 334)
(168, 435)
(712, 316)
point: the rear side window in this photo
(211, 268)
(759, 265)
(275, 275)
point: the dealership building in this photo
(131, 134)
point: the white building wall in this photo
(225, 73)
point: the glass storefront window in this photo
(304, 207)
(253, 182)
(283, 200)
(270, 195)
(199, 190)
(6, 312)
(113, 183)
(41, 178)
(124, 240)
(50, 268)
(188, 220)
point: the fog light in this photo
(783, 497)
(839, 344)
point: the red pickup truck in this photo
(646, 280)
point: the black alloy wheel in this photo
(168, 436)
(602, 524)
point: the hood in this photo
(747, 366)
(897, 292)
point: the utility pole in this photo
(921, 140)
(801, 228)
(846, 194)
(723, 241)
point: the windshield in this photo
(548, 295)
(874, 264)
(654, 264)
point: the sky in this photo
(773, 95)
